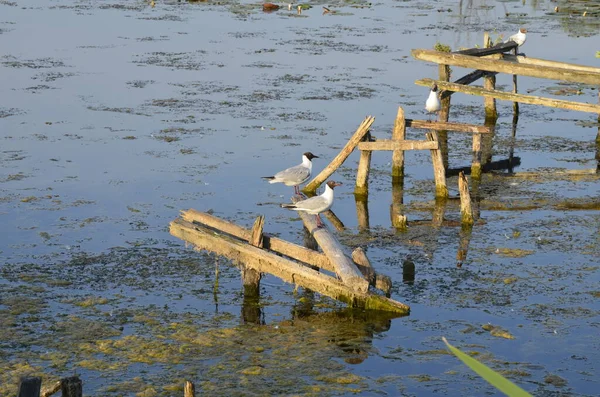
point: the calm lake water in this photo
(114, 116)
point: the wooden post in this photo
(398, 134)
(515, 104)
(489, 83)
(250, 277)
(362, 129)
(439, 173)
(362, 212)
(189, 390)
(408, 272)
(444, 116)
(476, 164)
(396, 208)
(362, 174)
(30, 386)
(465, 200)
(71, 387)
(598, 138)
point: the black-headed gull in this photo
(316, 205)
(295, 175)
(433, 105)
(518, 37)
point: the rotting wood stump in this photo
(288, 261)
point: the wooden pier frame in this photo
(289, 261)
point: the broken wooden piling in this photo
(489, 83)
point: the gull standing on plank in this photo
(316, 205)
(295, 175)
(433, 105)
(518, 37)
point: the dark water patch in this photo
(41, 63)
(140, 83)
(4, 112)
(181, 60)
(117, 110)
(166, 18)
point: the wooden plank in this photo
(398, 135)
(344, 267)
(445, 125)
(385, 144)
(294, 251)
(508, 96)
(543, 62)
(503, 66)
(360, 132)
(286, 269)
(488, 50)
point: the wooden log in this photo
(508, 67)
(444, 125)
(509, 96)
(30, 386)
(398, 135)
(250, 277)
(439, 173)
(465, 200)
(256, 236)
(50, 390)
(287, 270)
(189, 390)
(362, 174)
(381, 282)
(334, 220)
(466, 80)
(543, 62)
(476, 164)
(489, 83)
(71, 387)
(341, 157)
(397, 145)
(344, 267)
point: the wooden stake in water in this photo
(439, 173)
(362, 174)
(398, 134)
(489, 83)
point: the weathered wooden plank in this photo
(508, 96)
(488, 50)
(344, 267)
(503, 66)
(360, 132)
(285, 269)
(445, 125)
(385, 144)
(543, 62)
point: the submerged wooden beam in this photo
(508, 96)
(508, 67)
(385, 144)
(448, 126)
(286, 269)
(360, 132)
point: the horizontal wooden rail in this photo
(385, 144)
(543, 62)
(509, 67)
(444, 125)
(508, 96)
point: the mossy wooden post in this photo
(489, 83)
(30, 386)
(189, 390)
(398, 134)
(444, 115)
(362, 212)
(362, 174)
(250, 277)
(466, 212)
(71, 387)
(396, 208)
(439, 172)
(476, 164)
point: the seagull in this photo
(432, 105)
(295, 175)
(518, 37)
(316, 205)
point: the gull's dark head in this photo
(310, 156)
(523, 30)
(434, 87)
(333, 184)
